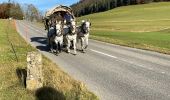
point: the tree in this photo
(16, 11)
(31, 13)
(10, 10)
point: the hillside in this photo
(144, 26)
(137, 18)
(84, 7)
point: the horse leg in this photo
(61, 44)
(48, 38)
(48, 41)
(64, 42)
(74, 46)
(77, 39)
(86, 41)
(57, 45)
(50, 45)
(82, 44)
(68, 46)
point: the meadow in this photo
(145, 26)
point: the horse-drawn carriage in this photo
(60, 23)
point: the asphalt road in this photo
(112, 72)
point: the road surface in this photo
(112, 72)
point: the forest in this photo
(84, 7)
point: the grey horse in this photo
(83, 34)
(71, 36)
(56, 37)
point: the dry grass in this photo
(72, 89)
(10, 87)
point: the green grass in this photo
(144, 26)
(154, 41)
(10, 86)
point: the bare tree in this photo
(31, 13)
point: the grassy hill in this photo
(137, 18)
(144, 26)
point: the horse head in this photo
(58, 28)
(86, 27)
(73, 27)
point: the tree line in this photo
(84, 7)
(17, 11)
(13, 10)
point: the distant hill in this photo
(84, 7)
(135, 18)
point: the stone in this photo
(34, 71)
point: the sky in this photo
(44, 5)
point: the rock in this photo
(34, 71)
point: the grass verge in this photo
(10, 87)
(154, 41)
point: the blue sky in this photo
(44, 5)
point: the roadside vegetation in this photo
(20, 11)
(144, 26)
(12, 89)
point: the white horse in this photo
(56, 37)
(71, 36)
(83, 35)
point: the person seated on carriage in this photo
(59, 17)
(67, 18)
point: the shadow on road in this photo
(42, 40)
(43, 48)
(49, 93)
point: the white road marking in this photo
(103, 53)
(139, 65)
(119, 59)
(163, 72)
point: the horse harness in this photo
(70, 30)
